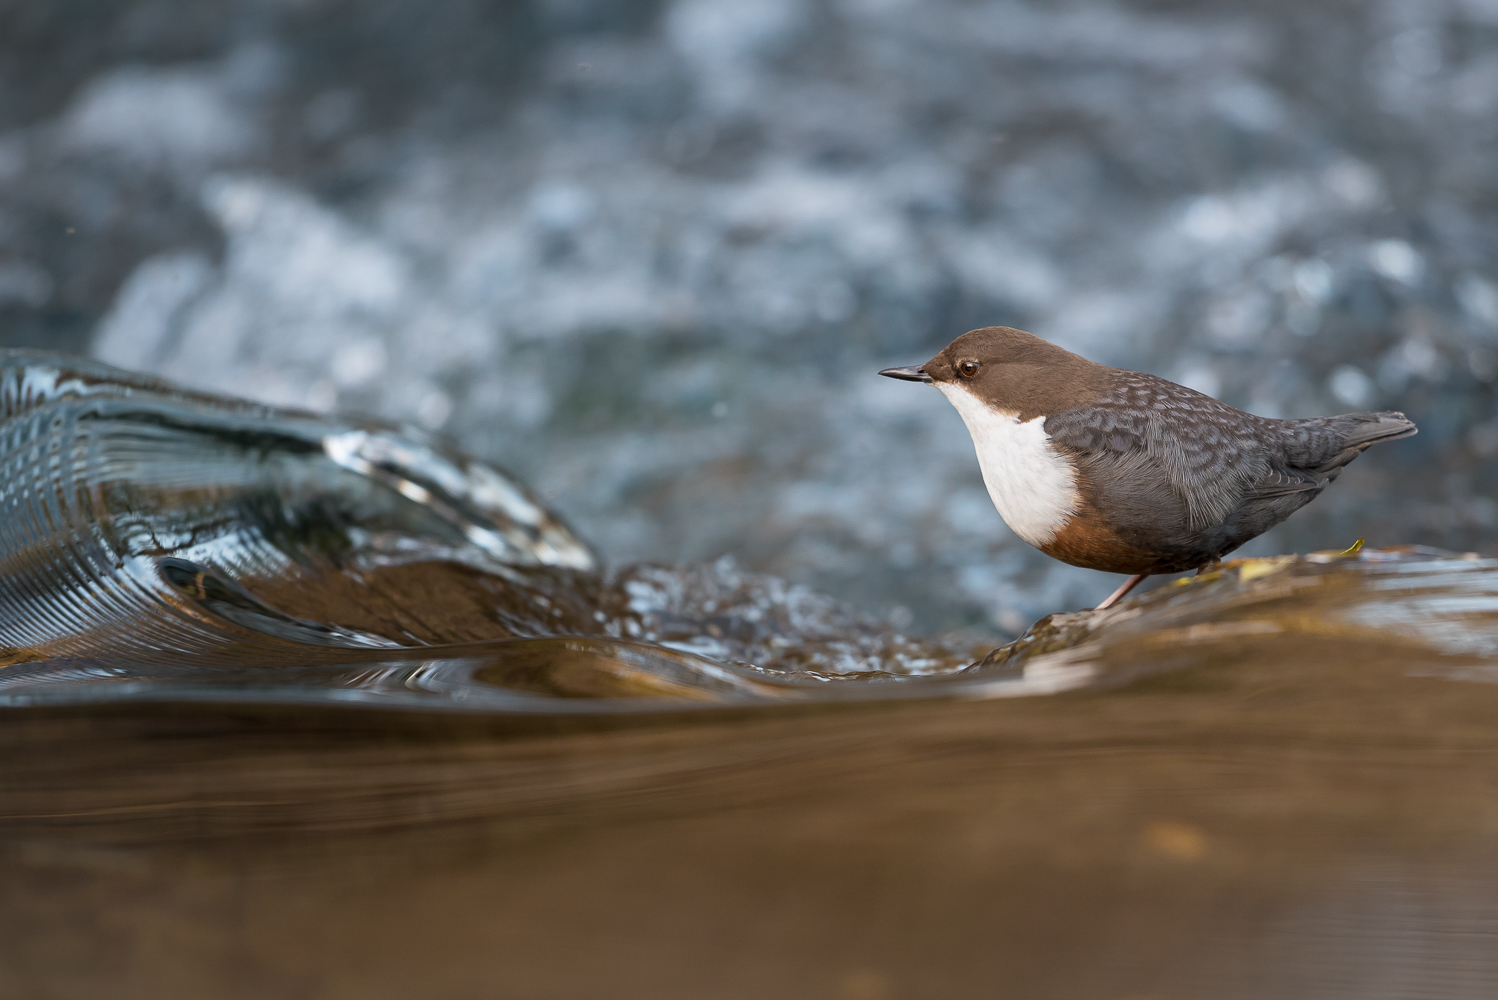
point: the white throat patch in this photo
(1030, 482)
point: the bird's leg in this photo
(1118, 594)
(1208, 567)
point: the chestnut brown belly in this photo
(1091, 543)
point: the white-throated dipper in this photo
(1124, 472)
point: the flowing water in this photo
(301, 706)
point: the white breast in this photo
(1031, 483)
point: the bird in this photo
(1126, 472)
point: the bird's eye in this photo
(968, 369)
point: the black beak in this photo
(908, 374)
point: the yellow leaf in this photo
(1252, 569)
(1328, 555)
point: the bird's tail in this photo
(1351, 434)
(1359, 430)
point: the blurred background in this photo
(649, 254)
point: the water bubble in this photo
(1240, 317)
(433, 409)
(1314, 280)
(357, 362)
(1200, 376)
(1478, 298)
(561, 205)
(1396, 260)
(1355, 183)
(1483, 363)
(179, 118)
(1209, 219)
(1351, 386)
(1250, 106)
(1414, 356)
(1417, 51)
(1421, 356)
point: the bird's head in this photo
(1006, 369)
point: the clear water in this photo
(300, 706)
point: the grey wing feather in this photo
(1283, 482)
(1211, 472)
(1208, 471)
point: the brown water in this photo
(291, 712)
